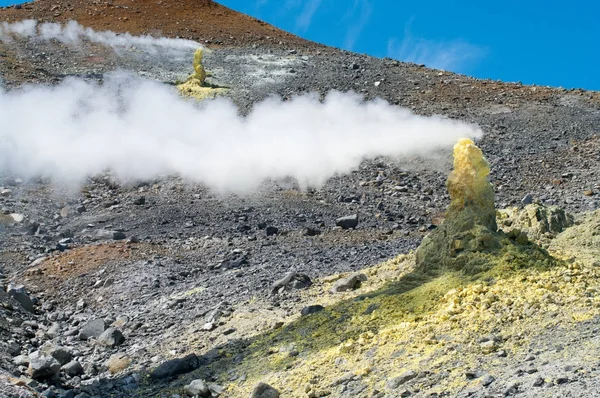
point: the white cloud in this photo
(455, 55)
(306, 16)
(141, 129)
(73, 33)
(358, 15)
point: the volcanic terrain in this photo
(164, 288)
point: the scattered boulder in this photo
(405, 377)
(73, 369)
(61, 354)
(111, 337)
(292, 280)
(93, 328)
(140, 201)
(117, 362)
(347, 284)
(105, 234)
(527, 199)
(311, 309)
(21, 360)
(119, 235)
(42, 366)
(535, 220)
(19, 293)
(487, 380)
(263, 390)
(308, 231)
(197, 388)
(175, 367)
(347, 222)
(270, 231)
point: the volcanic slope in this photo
(195, 271)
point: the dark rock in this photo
(405, 377)
(42, 366)
(527, 199)
(263, 390)
(311, 309)
(347, 222)
(561, 380)
(175, 367)
(291, 280)
(111, 337)
(308, 231)
(487, 380)
(347, 284)
(13, 348)
(93, 328)
(197, 388)
(119, 235)
(270, 231)
(73, 369)
(20, 295)
(512, 389)
(140, 201)
(61, 354)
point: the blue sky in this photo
(545, 42)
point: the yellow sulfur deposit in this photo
(468, 184)
(195, 86)
(469, 293)
(199, 72)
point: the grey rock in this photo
(73, 369)
(21, 360)
(53, 330)
(111, 337)
(347, 284)
(216, 389)
(197, 388)
(270, 231)
(397, 381)
(487, 380)
(293, 280)
(263, 390)
(175, 367)
(13, 348)
(42, 366)
(308, 231)
(140, 201)
(19, 293)
(311, 309)
(527, 199)
(61, 354)
(119, 235)
(93, 328)
(512, 388)
(347, 222)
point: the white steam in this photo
(73, 33)
(141, 129)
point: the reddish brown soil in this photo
(81, 260)
(201, 20)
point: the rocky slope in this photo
(119, 277)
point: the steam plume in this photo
(140, 129)
(73, 33)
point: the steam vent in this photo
(195, 86)
(470, 223)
